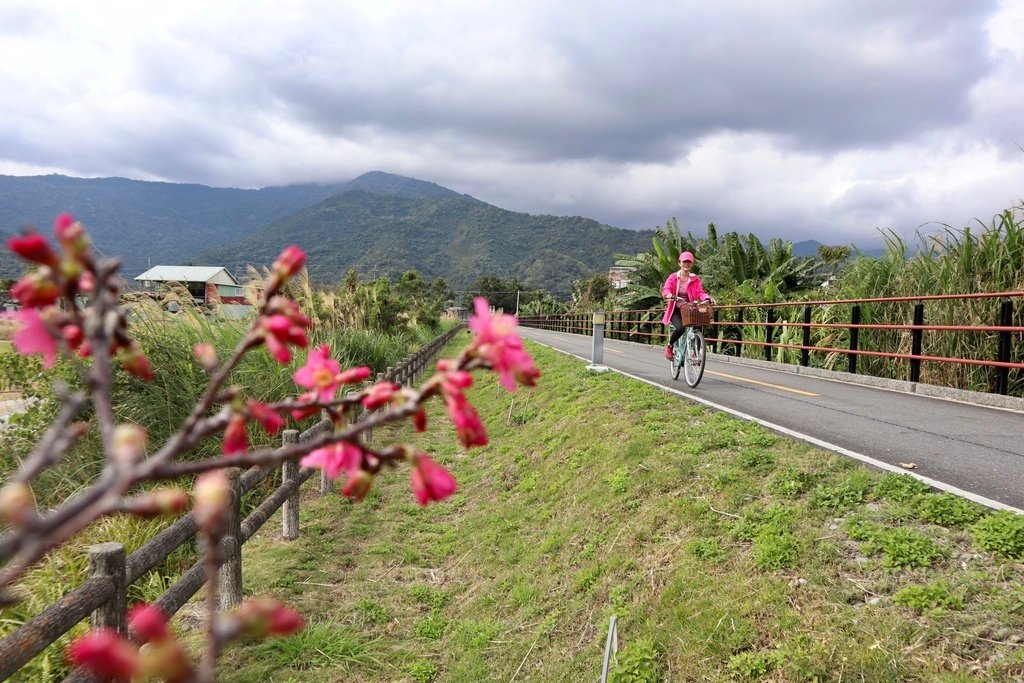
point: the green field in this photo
(726, 551)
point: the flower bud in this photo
(135, 363)
(206, 354)
(289, 262)
(211, 497)
(358, 485)
(128, 444)
(148, 622)
(105, 654)
(261, 617)
(16, 503)
(33, 247)
(36, 290)
(165, 660)
(71, 235)
(166, 501)
(236, 437)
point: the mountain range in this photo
(378, 223)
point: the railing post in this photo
(597, 356)
(716, 328)
(290, 509)
(805, 353)
(108, 560)
(854, 338)
(769, 332)
(1003, 374)
(916, 336)
(739, 332)
(231, 546)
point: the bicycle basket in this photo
(696, 314)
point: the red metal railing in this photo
(994, 346)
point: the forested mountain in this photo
(379, 223)
(382, 224)
(140, 221)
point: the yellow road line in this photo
(763, 384)
(613, 350)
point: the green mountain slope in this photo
(452, 236)
(144, 222)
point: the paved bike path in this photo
(973, 450)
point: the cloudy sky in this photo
(822, 119)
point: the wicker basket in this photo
(696, 314)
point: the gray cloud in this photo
(823, 120)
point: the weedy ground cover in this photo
(726, 551)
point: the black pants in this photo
(678, 329)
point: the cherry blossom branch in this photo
(100, 333)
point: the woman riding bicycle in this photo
(684, 285)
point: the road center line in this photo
(763, 384)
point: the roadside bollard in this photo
(597, 356)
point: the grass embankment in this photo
(726, 551)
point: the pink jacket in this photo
(692, 291)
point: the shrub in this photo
(775, 550)
(706, 549)
(948, 510)
(637, 663)
(900, 487)
(1001, 533)
(935, 596)
(755, 665)
(905, 548)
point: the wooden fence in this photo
(103, 596)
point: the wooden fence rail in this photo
(103, 596)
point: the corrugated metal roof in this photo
(183, 274)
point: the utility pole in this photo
(517, 303)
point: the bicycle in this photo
(689, 352)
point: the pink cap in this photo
(686, 256)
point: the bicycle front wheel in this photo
(693, 359)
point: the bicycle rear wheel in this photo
(694, 356)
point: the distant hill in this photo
(383, 224)
(141, 221)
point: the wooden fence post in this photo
(108, 560)
(231, 546)
(289, 472)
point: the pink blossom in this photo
(497, 342)
(430, 481)
(490, 327)
(33, 247)
(149, 622)
(33, 336)
(236, 439)
(320, 373)
(378, 395)
(283, 326)
(270, 419)
(104, 653)
(468, 426)
(335, 459)
(289, 262)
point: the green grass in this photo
(726, 552)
